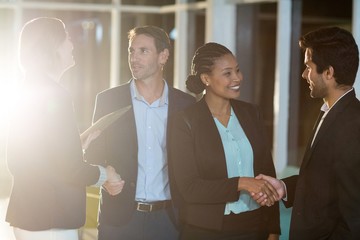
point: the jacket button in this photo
(132, 184)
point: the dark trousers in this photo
(142, 226)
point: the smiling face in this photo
(317, 85)
(144, 60)
(224, 79)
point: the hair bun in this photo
(194, 84)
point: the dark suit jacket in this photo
(326, 195)
(45, 157)
(117, 146)
(198, 164)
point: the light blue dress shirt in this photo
(151, 121)
(239, 161)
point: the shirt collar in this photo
(325, 107)
(164, 99)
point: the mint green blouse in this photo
(239, 161)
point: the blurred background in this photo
(263, 34)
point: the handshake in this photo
(114, 184)
(265, 190)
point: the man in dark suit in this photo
(325, 196)
(135, 144)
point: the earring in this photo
(207, 84)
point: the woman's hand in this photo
(259, 187)
(273, 237)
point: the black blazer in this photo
(117, 146)
(326, 195)
(198, 164)
(45, 157)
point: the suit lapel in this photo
(210, 130)
(172, 102)
(207, 122)
(246, 122)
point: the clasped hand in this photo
(259, 189)
(262, 198)
(114, 184)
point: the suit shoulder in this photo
(114, 90)
(111, 100)
(180, 94)
(196, 110)
(115, 96)
(244, 105)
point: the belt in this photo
(151, 206)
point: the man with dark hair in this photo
(325, 195)
(136, 143)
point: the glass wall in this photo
(98, 29)
(92, 25)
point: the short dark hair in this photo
(162, 40)
(336, 47)
(202, 62)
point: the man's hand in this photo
(260, 188)
(277, 185)
(114, 184)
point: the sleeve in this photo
(44, 140)
(102, 178)
(96, 152)
(290, 183)
(64, 144)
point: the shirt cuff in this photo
(102, 177)
(285, 190)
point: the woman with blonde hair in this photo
(44, 150)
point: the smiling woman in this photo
(216, 148)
